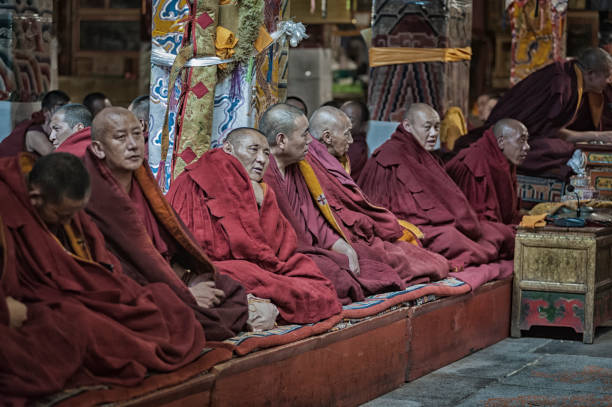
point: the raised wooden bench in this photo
(355, 364)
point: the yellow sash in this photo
(319, 197)
(380, 56)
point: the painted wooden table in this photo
(562, 277)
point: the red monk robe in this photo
(358, 154)
(255, 246)
(15, 142)
(487, 180)
(316, 236)
(109, 329)
(402, 176)
(143, 231)
(374, 226)
(546, 101)
(77, 143)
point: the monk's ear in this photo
(35, 196)
(227, 147)
(97, 150)
(281, 140)
(406, 125)
(326, 137)
(500, 143)
(78, 127)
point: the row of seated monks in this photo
(104, 278)
(117, 279)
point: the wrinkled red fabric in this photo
(487, 180)
(14, 143)
(255, 246)
(372, 225)
(108, 329)
(358, 154)
(77, 143)
(407, 180)
(545, 102)
(123, 221)
(296, 203)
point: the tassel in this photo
(235, 88)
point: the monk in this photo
(236, 220)
(70, 120)
(97, 324)
(362, 222)
(95, 102)
(486, 171)
(33, 135)
(358, 151)
(355, 269)
(402, 175)
(143, 231)
(560, 104)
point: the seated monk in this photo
(236, 220)
(140, 108)
(71, 125)
(97, 324)
(362, 222)
(356, 269)
(358, 151)
(143, 231)
(561, 104)
(33, 135)
(486, 171)
(402, 175)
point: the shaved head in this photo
(332, 127)
(512, 139)
(325, 118)
(279, 118)
(106, 117)
(423, 122)
(251, 148)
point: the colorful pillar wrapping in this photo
(439, 27)
(538, 35)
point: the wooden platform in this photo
(356, 364)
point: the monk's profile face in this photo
(514, 143)
(60, 130)
(121, 145)
(338, 137)
(253, 152)
(596, 82)
(296, 144)
(425, 127)
(55, 214)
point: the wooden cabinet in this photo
(562, 277)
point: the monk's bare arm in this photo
(574, 136)
(18, 312)
(38, 142)
(342, 247)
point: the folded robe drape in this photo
(316, 236)
(77, 143)
(406, 179)
(255, 246)
(14, 143)
(372, 225)
(487, 180)
(108, 329)
(141, 231)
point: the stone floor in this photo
(530, 371)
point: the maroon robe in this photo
(255, 246)
(545, 102)
(143, 231)
(97, 324)
(487, 180)
(374, 226)
(358, 154)
(14, 143)
(77, 143)
(316, 236)
(405, 178)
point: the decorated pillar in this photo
(538, 35)
(419, 54)
(27, 55)
(224, 65)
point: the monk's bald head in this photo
(332, 127)
(251, 148)
(286, 129)
(512, 139)
(596, 66)
(117, 139)
(423, 122)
